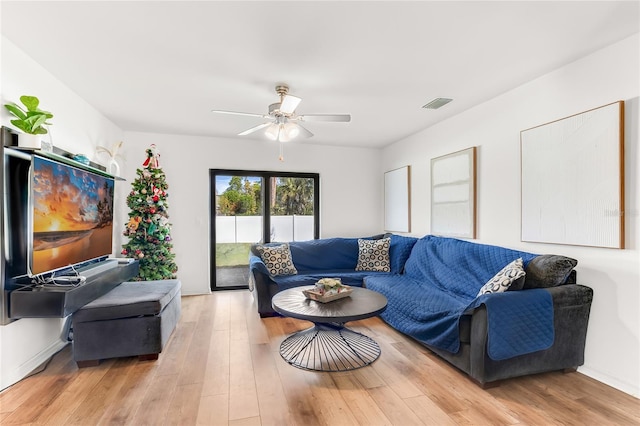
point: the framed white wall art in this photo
(573, 179)
(453, 194)
(397, 200)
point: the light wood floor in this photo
(222, 367)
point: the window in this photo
(249, 207)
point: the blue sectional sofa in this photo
(316, 259)
(539, 324)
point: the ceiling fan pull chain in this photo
(281, 157)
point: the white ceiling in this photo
(158, 66)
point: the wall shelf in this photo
(10, 139)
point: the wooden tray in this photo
(310, 294)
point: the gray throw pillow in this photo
(548, 270)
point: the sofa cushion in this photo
(418, 309)
(277, 259)
(373, 255)
(548, 270)
(325, 254)
(348, 277)
(400, 251)
(504, 278)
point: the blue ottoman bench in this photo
(133, 319)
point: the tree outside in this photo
(241, 198)
(292, 196)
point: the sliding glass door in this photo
(249, 207)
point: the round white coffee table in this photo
(329, 345)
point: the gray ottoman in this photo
(133, 319)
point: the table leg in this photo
(329, 347)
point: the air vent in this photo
(437, 103)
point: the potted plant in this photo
(30, 119)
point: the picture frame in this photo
(397, 200)
(572, 179)
(453, 194)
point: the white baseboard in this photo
(628, 388)
(23, 370)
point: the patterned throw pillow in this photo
(277, 259)
(373, 255)
(503, 279)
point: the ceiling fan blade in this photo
(254, 129)
(304, 132)
(289, 104)
(343, 118)
(248, 114)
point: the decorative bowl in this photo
(324, 298)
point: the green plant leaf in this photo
(35, 122)
(16, 110)
(40, 131)
(41, 111)
(31, 102)
(21, 125)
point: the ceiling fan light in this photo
(291, 130)
(272, 132)
(284, 135)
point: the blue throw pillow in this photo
(400, 251)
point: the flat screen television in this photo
(71, 219)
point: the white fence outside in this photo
(248, 229)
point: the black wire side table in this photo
(329, 345)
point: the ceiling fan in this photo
(283, 123)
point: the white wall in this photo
(613, 340)
(78, 128)
(350, 187)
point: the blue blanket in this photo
(442, 278)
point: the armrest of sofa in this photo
(256, 264)
(571, 305)
(263, 286)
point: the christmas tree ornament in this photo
(153, 158)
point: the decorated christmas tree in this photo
(149, 228)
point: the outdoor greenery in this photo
(293, 196)
(232, 254)
(241, 198)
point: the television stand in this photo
(60, 301)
